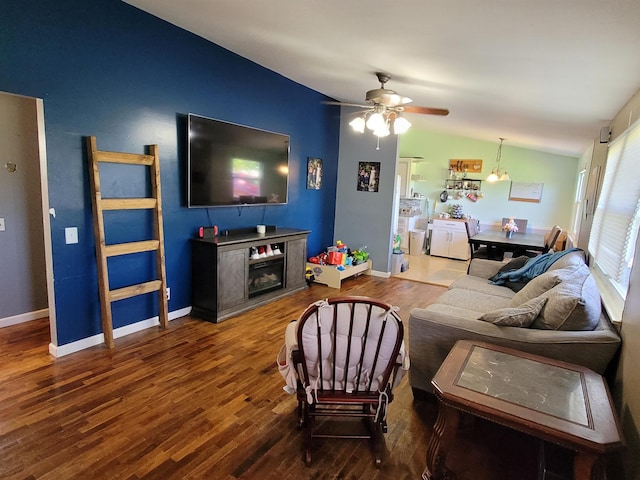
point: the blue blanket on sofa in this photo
(534, 267)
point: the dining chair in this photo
(550, 239)
(482, 251)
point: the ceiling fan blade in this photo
(345, 104)
(425, 110)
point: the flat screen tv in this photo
(235, 165)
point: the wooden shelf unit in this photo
(220, 271)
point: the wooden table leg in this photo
(444, 433)
(587, 466)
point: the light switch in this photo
(71, 235)
(1, 224)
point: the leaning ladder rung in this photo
(127, 158)
(131, 247)
(103, 251)
(133, 290)
(128, 203)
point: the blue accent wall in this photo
(107, 69)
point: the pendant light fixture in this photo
(496, 174)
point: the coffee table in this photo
(558, 402)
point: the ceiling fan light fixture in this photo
(401, 125)
(358, 124)
(382, 131)
(376, 121)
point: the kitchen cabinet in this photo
(449, 239)
(404, 170)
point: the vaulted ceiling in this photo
(545, 74)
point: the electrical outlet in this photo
(168, 293)
(1, 224)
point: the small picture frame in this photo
(314, 173)
(368, 176)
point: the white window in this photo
(577, 203)
(615, 222)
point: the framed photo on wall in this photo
(368, 176)
(314, 173)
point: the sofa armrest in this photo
(434, 330)
(483, 268)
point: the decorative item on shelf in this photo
(496, 175)
(456, 211)
(510, 228)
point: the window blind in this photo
(615, 222)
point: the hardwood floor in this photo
(205, 401)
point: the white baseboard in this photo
(23, 317)
(377, 273)
(68, 348)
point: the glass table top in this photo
(545, 388)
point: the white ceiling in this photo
(545, 74)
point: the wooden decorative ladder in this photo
(103, 251)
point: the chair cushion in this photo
(522, 316)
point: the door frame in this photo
(46, 223)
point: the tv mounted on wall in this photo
(235, 165)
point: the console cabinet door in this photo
(296, 262)
(232, 278)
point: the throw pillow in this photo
(536, 287)
(515, 264)
(573, 304)
(522, 316)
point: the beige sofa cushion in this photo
(472, 301)
(536, 287)
(573, 259)
(573, 304)
(482, 285)
(522, 316)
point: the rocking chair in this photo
(348, 350)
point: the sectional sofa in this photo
(556, 314)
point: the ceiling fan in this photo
(383, 109)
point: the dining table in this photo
(498, 240)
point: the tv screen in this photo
(230, 164)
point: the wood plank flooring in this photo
(205, 401)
